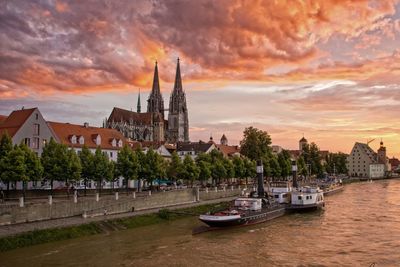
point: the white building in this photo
(376, 170)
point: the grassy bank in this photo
(58, 234)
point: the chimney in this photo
(86, 125)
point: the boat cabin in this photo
(248, 204)
(307, 196)
(280, 191)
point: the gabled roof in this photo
(196, 146)
(64, 130)
(2, 118)
(228, 150)
(15, 120)
(119, 114)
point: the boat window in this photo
(310, 197)
(276, 196)
(299, 197)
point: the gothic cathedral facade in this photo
(152, 125)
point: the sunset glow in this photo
(328, 69)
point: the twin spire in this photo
(155, 101)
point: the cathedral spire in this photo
(139, 107)
(178, 79)
(156, 82)
(155, 102)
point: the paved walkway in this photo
(8, 230)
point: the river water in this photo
(359, 227)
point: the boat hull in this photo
(334, 190)
(247, 219)
(305, 208)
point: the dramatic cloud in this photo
(291, 66)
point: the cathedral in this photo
(153, 125)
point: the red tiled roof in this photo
(152, 144)
(64, 131)
(2, 118)
(15, 120)
(228, 150)
(119, 114)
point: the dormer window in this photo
(113, 142)
(73, 139)
(81, 140)
(119, 143)
(96, 139)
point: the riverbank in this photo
(79, 227)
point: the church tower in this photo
(178, 121)
(139, 107)
(155, 101)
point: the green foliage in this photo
(275, 167)
(336, 163)
(302, 168)
(311, 156)
(173, 167)
(13, 166)
(284, 164)
(239, 167)
(74, 168)
(101, 166)
(5, 145)
(34, 169)
(255, 144)
(250, 168)
(205, 170)
(86, 157)
(164, 214)
(154, 166)
(127, 164)
(229, 167)
(191, 171)
(218, 170)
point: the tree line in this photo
(256, 144)
(59, 163)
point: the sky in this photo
(328, 69)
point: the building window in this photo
(36, 116)
(36, 129)
(111, 154)
(35, 143)
(27, 142)
(44, 142)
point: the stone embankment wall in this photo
(29, 212)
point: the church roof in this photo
(119, 114)
(228, 150)
(303, 139)
(178, 79)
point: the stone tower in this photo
(302, 143)
(381, 155)
(224, 140)
(178, 121)
(155, 103)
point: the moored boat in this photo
(306, 198)
(256, 208)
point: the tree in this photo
(5, 147)
(50, 160)
(74, 168)
(302, 168)
(284, 163)
(13, 166)
(229, 167)
(142, 170)
(127, 164)
(173, 167)
(205, 171)
(218, 171)
(250, 169)
(239, 167)
(100, 167)
(86, 158)
(33, 167)
(191, 170)
(275, 167)
(255, 144)
(155, 167)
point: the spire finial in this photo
(139, 107)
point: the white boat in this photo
(306, 198)
(280, 191)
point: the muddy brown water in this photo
(360, 226)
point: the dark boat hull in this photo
(305, 208)
(248, 219)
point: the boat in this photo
(331, 186)
(280, 191)
(258, 207)
(306, 198)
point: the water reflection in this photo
(359, 226)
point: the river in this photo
(359, 227)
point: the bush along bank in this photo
(57, 234)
